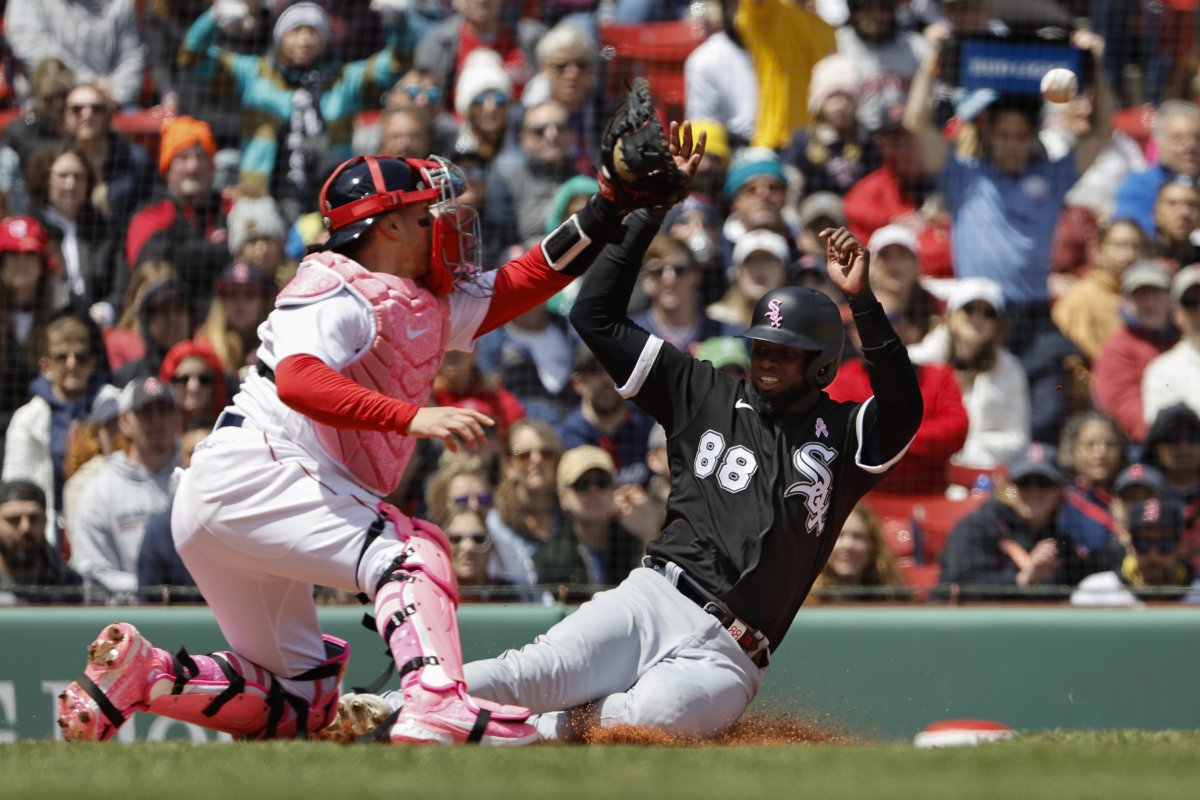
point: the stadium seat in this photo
(655, 51)
(920, 522)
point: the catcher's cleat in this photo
(450, 718)
(112, 687)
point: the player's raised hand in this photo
(456, 427)
(849, 261)
(686, 151)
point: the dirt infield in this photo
(752, 730)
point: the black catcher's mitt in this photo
(637, 169)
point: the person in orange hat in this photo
(185, 225)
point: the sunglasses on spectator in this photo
(541, 130)
(495, 95)
(480, 539)
(1190, 301)
(464, 500)
(433, 93)
(678, 270)
(79, 356)
(1036, 482)
(180, 379)
(545, 452)
(1146, 545)
(79, 108)
(599, 481)
(578, 63)
(980, 309)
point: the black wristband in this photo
(601, 221)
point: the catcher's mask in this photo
(803, 318)
(365, 188)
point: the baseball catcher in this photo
(288, 490)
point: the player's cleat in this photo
(450, 718)
(112, 687)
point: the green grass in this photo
(1123, 765)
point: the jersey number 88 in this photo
(734, 467)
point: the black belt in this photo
(751, 640)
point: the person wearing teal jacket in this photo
(298, 105)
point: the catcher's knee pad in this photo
(415, 614)
(229, 693)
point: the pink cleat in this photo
(112, 687)
(451, 718)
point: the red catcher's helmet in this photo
(365, 188)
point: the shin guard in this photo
(232, 694)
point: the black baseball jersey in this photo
(756, 500)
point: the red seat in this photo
(655, 51)
(965, 476)
(920, 522)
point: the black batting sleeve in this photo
(891, 420)
(600, 312)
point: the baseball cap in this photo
(1143, 273)
(1185, 279)
(579, 460)
(22, 490)
(141, 392)
(822, 205)
(1155, 513)
(1036, 459)
(23, 235)
(240, 274)
(1138, 474)
(969, 290)
(584, 358)
(893, 234)
(760, 241)
(723, 351)
(104, 407)
(717, 144)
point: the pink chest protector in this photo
(410, 332)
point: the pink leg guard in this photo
(223, 691)
(415, 614)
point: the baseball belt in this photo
(752, 641)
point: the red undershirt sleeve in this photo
(307, 384)
(520, 285)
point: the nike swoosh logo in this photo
(743, 404)
(412, 334)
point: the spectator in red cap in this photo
(460, 379)
(244, 297)
(185, 225)
(198, 378)
(26, 280)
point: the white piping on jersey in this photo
(642, 368)
(858, 431)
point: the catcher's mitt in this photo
(637, 169)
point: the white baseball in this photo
(1059, 85)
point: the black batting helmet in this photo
(805, 319)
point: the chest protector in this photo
(410, 330)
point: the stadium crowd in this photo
(161, 162)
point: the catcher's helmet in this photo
(806, 319)
(363, 189)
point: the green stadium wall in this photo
(873, 672)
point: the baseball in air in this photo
(1059, 85)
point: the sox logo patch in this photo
(812, 461)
